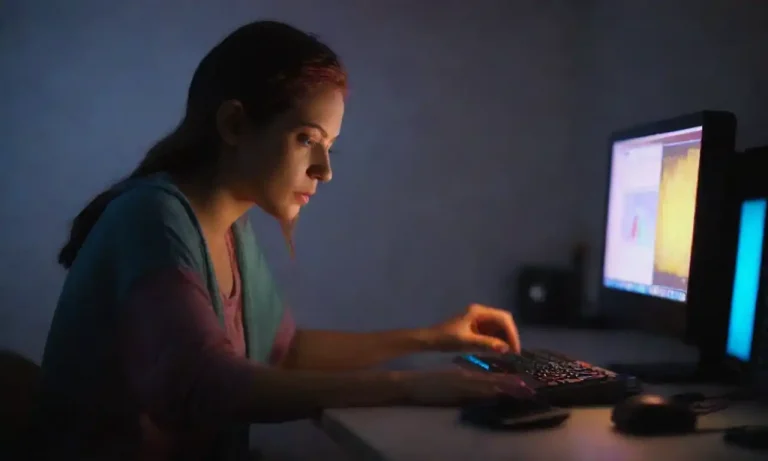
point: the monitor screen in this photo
(746, 282)
(651, 210)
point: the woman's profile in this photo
(169, 336)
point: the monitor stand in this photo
(678, 373)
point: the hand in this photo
(479, 328)
(456, 387)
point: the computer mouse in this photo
(689, 397)
(752, 437)
(648, 414)
(510, 413)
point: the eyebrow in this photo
(317, 127)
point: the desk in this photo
(405, 434)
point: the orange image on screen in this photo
(677, 207)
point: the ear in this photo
(231, 121)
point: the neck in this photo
(216, 206)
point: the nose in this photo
(320, 173)
(320, 169)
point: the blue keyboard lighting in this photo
(477, 362)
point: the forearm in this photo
(281, 395)
(183, 370)
(343, 351)
(235, 389)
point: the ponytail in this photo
(170, 155)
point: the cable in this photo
(709, 406)
(703, 405)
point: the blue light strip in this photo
(477, 362)
(746, 282)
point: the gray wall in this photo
(646, 59)
(474, 138)
(456, 130)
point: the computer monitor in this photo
(651, 210)
(665, 268)
(747, 340)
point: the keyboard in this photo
(563, 381)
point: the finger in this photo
(488, 343)
(510, 329)
(512, 334)
(502, 383)
(515, 391)
(514, 386)
(504, 320)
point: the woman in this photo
(169, 336)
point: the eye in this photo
(306, 140)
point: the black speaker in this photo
(546, 296)
(553, 295)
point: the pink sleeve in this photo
(179, 363)
(283, 338)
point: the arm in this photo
(184, 371)
(178, 364)
(479, 328)
(343, 351)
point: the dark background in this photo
(475, 135)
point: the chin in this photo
(283, 212)
(289, 213)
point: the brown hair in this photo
(266, 65)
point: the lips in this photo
(303, 197)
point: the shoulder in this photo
(150, 224)
(149, 203)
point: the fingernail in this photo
(528, 390)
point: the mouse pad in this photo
(540, 420)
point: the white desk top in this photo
(400, 434)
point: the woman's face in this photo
(280, 166)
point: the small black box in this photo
(547, 296)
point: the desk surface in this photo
(400, 434)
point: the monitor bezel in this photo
(664, 316)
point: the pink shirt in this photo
(137, 363)
(177, 352)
